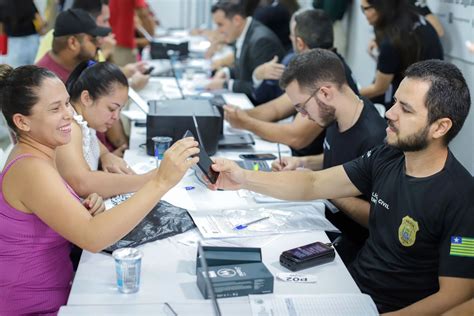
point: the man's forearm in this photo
(453, 291)
(299, 186)
(356, 208)
(313, 162)
(274, 110)
(296, 137)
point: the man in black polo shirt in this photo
(353, 126)
(419, 257)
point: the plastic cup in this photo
(161, 143)
(128, 263)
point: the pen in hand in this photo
(279, 153)
(243, 226)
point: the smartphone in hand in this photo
(205, 162)
(149, 70)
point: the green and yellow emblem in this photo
(407, 231)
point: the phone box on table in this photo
(234, 271)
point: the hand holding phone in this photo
(149, 70)
(205, 162)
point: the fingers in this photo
(121, 149)
(125, 169)
(112, 169)
(94, 203)
(276, 166)
(100, 209)
(183, 150)
(223, 165)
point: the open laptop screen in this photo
(138, 100)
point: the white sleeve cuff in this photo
(256, 82)
(226, 71)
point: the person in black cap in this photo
(75, 40)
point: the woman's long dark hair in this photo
(97, 78)
(398, 23)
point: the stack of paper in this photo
(310, 305)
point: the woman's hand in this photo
(177, 160)
(113, 164)
(94, 204)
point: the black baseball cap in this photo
(76, 21)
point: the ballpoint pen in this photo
(243, 226)
(279, 154)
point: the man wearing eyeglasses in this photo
(308, 29)
(353, 127)
(419, 257)
(75, 40)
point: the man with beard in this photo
(309, 29)
(75, 40)
(419, 256)
(353, 127)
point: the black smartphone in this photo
(149, 70)
(307, 256)
(258, 156)
(205, 163)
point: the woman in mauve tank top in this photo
(40, 215)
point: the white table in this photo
(168, 266)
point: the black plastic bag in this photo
(165, 220)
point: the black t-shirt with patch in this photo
(412, 224)
(367, 132)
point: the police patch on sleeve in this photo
(407, 231)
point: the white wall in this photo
(183, 13)
(457, 17)
(189, 13)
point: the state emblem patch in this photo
(407, 231)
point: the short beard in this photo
(327, 113)
(84, 56)
(414, 142)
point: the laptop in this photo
(138, 100)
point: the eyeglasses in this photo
(363, 9)
(301, 107)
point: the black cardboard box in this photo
(234, 271)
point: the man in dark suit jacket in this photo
(255, 44)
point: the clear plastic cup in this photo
(161, 144)
(128, 267)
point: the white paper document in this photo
(313, 305)
(267, 220)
